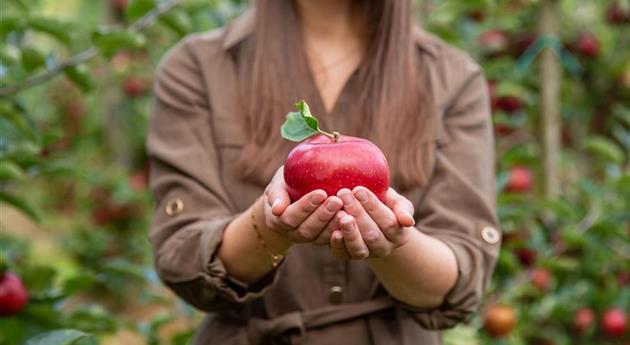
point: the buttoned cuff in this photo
(229, 287)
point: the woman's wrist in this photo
(276, 242)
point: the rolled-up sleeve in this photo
(192, 205)
(459, 204)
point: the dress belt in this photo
(289, 329)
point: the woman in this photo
(326, 269)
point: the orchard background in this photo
(74, 206)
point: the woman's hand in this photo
(306, 219)
(368, 227)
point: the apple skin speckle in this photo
(321, 163)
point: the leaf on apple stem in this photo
(302, 124)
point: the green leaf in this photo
(300, 124)
(109, 42)
(55, 28)
(59, 337)
(178, 21)
(80, 75)
(21, 205)
(10, 24)
(605, 148)
(9, 171)
(32, 58)
(138, 8)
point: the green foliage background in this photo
(75, 207)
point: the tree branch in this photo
(87, 54)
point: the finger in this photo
(277, 197)
(352, 238)
(382, 215)
(324, 237)
(297, 212)
(338, 247)
(402, 208)
(370, 231)
(317, 221)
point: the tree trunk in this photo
(550, 78)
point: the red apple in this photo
(508, 103)
(520, 180)
(499, 320)
(526, 256)
(587, 45)
(520, 43)
(617, 15)
(322, 163)
(134, 86)
(541, 279)
(119, 5)
(13, 294)
(614, 323)
(494, 41)
(583, 319)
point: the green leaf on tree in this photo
(55, 28)
(21, 205)
(109, 42)
(299, 124)
(80, 76)
(138, 8)
(60, 337)
(605, 148)
(178, 21)
(9, 171)
(32, 58)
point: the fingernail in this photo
(361, 195)
(275, 203)
(411, 217)
(347, 198)
(338, 236)
(332, 206)
(317, 199)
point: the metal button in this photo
(490, 235)
(174, 207)
(336, 294)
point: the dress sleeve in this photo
(192, 205)
(459, 204)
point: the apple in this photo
(508, 103)
(119, 5)
(134, 86)
(520, 43)
(541, 279)
(494, 41)
(323, 163)
(583, 319)
(499, 320)
(616, 15)
(614, 323)
(519, 180)
(587, 45)
(526, 256)
(477, 16)
(13, 294)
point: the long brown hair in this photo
(389, 108)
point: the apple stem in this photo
(334, 136)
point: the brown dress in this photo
(194, 142)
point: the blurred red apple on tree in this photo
(13, 294)
(499, 320)
(494, 42)
(617, 15)
(520, 180)
(587, 45)
(330, 161)
(614, 323)
(583, 319)
(134, 86)
(526, 256)
(541, 279)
